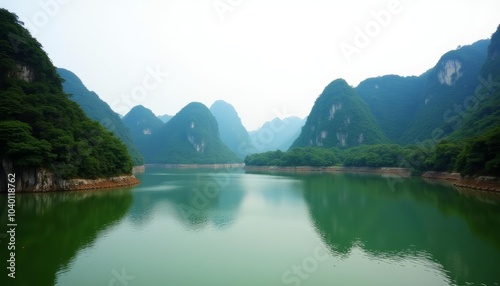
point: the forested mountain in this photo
(454, 127)
(393, 101)
(98, 110)
(142, 123)
(483, 106)
(232, 131)
(277, 134)
(40, 126)
(339, 118)
(446, 87)
(190, 137)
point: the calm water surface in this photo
(219, 227)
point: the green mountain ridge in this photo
(232, 131)
(447, 85)
(398, 94)
(190, 137)
(142, 123)
(98, 110)
(339, 118)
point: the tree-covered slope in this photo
(392, 100)
(142, 123)
(98, 110)
(339, 118)
(190, 137)
(232, 132)
(453, 79)
(40, 126)
(483, 106)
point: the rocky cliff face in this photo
(42, 180)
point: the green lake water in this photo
(228, 227)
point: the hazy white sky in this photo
(267, 58)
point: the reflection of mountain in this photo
(53, 227)
(196, 197)
(350, 211)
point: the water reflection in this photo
(416, 219)
(197, 198)
(54, 227)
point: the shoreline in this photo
(195, 166)
(100, 184)
(332, 169)
(480, 183)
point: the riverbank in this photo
(108, 183)
(196, 166)
(480, 183)
(332, 169)
(41, 180)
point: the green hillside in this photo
(339, 118)
(142, 123)
(392, 100)
(447, 85)
(98, 110)
(483, 108)
(40, 126)
(232, 131)
(190, 137)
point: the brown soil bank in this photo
(482, 183)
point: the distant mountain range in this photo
(277, 134)
(232, 131)
(190, 137)
(386, 109)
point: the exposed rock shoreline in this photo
(31, 180)
(481, 183)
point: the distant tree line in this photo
(476, 156)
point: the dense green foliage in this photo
(142, 123)
(398, 94)
(476, 156)
(190, 137)
(339, 118)
(232, 132)
(483, 107)
(481, 155)
(98, 110)
(441, 101)
(39, 125)
(301, 156)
